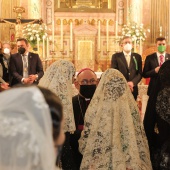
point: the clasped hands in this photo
(131, 85)
(30, 79)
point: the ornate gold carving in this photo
(19, 11)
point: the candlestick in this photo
(160, 31)
(47, 47)
(61, 36)
(58, 3)
(135, 45)
(38, 44)
(71, 36)
(116, 28)
(53, 24)
(107, 35)
(99, 35)
(43, 47)
(140, 46)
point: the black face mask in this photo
(21, 50)
(87, 91)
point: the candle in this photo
(58, 3)
(160, 30)
(140, 46)
(38, 43)
(43, 47)
(135, 45)
(107, 35)
(116, 28)
(47, 47)
(53, 24)
(71, 36)
(61, 35)
(99, 35)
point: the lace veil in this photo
(25, 131)
(58, 78)
(113, 137)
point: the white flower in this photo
(33, 31)
(135, 31)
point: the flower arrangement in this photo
(137, 32)
(34, 32)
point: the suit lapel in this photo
(131, 61)
(19, 61)
(155, 59)
(29, 62)
(124, 59)
(167, 57)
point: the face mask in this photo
(127, 47)
(21, 50)
(87, 91)
(6, 51)
(161, 48)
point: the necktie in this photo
(128, 59)
(161, 60)
(25, 66)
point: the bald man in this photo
(85, 83)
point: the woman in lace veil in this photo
(25, 131)
(58, 78)
(113, 137)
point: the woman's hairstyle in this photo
(56, 110)
(55, 106)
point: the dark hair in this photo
(56, 110)
(23, 39)
(160, 39)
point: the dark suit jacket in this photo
(16, 67)
(151, 62)
(133, 72)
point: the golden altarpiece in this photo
(87, 32)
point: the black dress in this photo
(80, 105)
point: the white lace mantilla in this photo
(113, 138)
(58, 78)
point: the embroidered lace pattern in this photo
(163, 104)
(58, 78)
(113, 137)
(25, 130)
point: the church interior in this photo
(86, 32)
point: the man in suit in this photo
(151, 69)
(4, 63)
(25, 67)
(154, 61)
(129, 64)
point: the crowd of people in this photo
(43, 126)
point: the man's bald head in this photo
(85, 77)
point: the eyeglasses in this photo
(85, 82)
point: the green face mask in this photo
(161, 48)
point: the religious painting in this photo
(85, 6)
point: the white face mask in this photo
(127, 47)
(6, 51)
